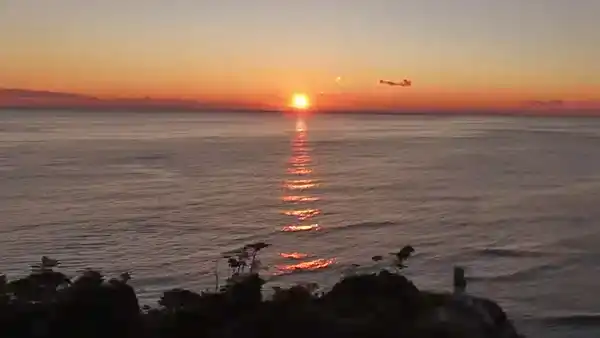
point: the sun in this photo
(300, 101)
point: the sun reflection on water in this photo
(299, 186)
(303, 214)
(313, 265)
(294, 198)
(293, 255)
(297, 228)
(301, 207)
(299, 171)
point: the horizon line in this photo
(55, 101)
(398, 113)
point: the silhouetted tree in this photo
(46, 304)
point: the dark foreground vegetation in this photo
(383, 304)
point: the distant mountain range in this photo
(40, 99)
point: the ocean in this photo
(514, 200)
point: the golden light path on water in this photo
(293, 255)
(300, 185)
(295, 198)
(310, 265)
(297, 228)
(300, 202)
(302, 214)
(299, 171)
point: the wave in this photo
(141, 158)
(299, 228)
(506, 252)
(352, 226)
(293, 255)
(583, 319)
(524, 274)
(305, 267)
(151, 157)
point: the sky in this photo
(458, 53)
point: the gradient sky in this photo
(471, 53)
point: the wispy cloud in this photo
(563, 104)
(544, 103)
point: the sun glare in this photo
(300, 101)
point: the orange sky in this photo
(483, 54)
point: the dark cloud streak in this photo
(544, 103)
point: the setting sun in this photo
(300, 101)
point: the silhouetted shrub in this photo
(384, 304)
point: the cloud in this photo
(562, 105)
(544, 103)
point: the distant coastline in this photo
(423, 114)
(39, 100)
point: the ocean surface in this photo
(514, 200)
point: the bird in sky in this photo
(404, 83)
